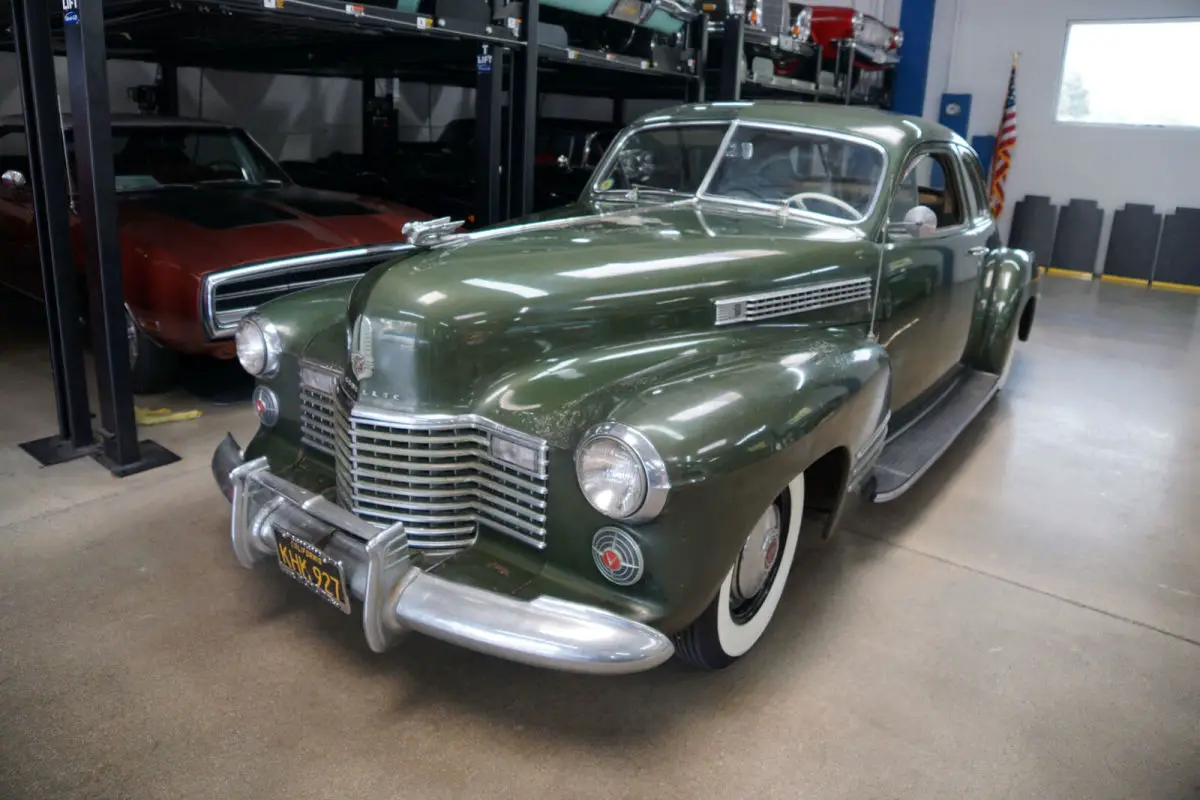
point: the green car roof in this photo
(890, 130)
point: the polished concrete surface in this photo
(1023, 624)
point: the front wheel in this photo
(152, 367)
(739, 614)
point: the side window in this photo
(931, 180)
(977, 181)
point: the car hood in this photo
(203, 229)
(579, 278)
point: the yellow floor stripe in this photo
(1069, 273)
(1142, 282)
(1175, 287)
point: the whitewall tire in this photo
(739, 615)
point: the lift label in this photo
(70, 12)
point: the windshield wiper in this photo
(635, 188)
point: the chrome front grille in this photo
(318, 382)
(750, 308)
(436, 474)
(229, 295)
(316, 420)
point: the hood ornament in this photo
(362, 359)
(426, 233)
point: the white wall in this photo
(973, 45)
(121, 75)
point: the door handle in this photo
(982, 250)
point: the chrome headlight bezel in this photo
(657, 484)
(897, 39)
(257, 334)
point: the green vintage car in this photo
(597, 437)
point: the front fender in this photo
(1008, 283)
(735, 417)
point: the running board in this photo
(915, 449)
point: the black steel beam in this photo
(524, 113)
(698, 41)
(51, 204)
(367, 112)
(618, 111)
(732, 44)
(489, 121)
(168, 90)
(87, 76)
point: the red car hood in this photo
(208, 228)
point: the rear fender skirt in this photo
(1006, 285)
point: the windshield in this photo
(819, 173)
(150, 157)
(666, 160)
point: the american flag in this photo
(1005, 141)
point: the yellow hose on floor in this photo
(158, 416)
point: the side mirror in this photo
(902, 230)
(919, 221)
(13, 179)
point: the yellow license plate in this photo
(311, 567)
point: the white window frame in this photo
(1062, 74)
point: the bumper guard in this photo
(396, 595)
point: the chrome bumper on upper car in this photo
(876, 54)
(398, 596)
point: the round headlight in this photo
(621, 474)
(258, 346)
(857, 20)
(897, 39)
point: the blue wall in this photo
(916, 20)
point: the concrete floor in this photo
(1024, 624)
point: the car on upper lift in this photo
(209, 227)
(442, 174)
(595, 437)
(772, 31)
(873, 50)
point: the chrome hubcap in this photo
(758, 556)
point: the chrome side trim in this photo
(219, 329)
(755, 307)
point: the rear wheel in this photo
(739, 614)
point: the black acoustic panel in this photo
(1033, 225)
(1179, 248)
(1077, 237)
(1133, 242)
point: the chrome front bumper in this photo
(396, 595)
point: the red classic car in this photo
(210, 227)
(875, 42)
(874, 46)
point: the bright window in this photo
(1131, 73)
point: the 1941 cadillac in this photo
(597, 437)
